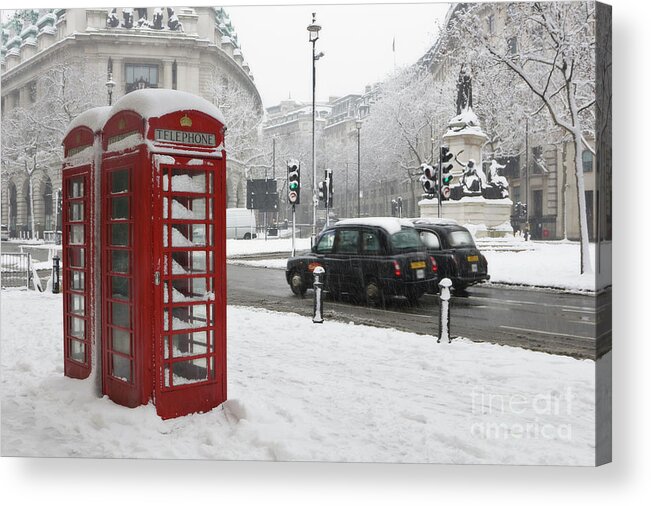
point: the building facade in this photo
(189, 49)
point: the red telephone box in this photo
(163, 267)
(81, 154)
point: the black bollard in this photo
(56, 285)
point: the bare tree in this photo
(32, 135)
(549, 47)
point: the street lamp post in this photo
(110, 84)
(313, 30)
(358, 124)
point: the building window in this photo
(140, 76)
(587, 161)
(538, 160)
(491, 24)
(174, 75)
(32, 91)
(512, 44)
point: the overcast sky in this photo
(357, 41)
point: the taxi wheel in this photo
(373, 294)
(297, 284)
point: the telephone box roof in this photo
(157, 102)
(92, 118)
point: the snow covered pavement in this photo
(304, 392)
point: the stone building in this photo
(189, 49)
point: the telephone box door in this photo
(189, 285)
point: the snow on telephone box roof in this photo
(157, 102)
(94, 119)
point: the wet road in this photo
(545, 320)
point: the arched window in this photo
(48, 208)
(587, 160)
(13, 209)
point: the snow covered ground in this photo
(305, 392)
(236, 247)
(544, 264)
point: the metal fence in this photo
(16, 269)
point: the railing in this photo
(16, 269)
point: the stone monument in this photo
(477, 200)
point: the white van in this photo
(240, 223)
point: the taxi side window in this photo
(371, 243)
(326, 242)
(347, 241)
(430, 240)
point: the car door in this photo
(432, 242)
(344, 261)
(372, 260)
(323, 256)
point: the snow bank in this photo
(235, 247)
(305, 392)
(555, 265)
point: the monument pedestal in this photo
(484, 217)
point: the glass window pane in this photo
(121, 368)
(121, 315)
(193, 343)
(77, 304)
(77, 351)
(120, 288)
(121, 341)
(76, 188)
(120, 208)
(120, 181)
(189, 181)
(77, 280)
(120, 234)
(77, 211)
(189, 371)
(120, 261)
(77, 326)
(76, 257)
(77, 234)
(192, 262)
(190, 289)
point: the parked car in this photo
(240, 223)
(455, 252)
(4, 233)
(369, 258)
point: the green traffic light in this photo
(293, 185)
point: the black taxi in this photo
(370, 258)
(455, 251)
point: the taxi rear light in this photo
(435, 266)
(396, 269)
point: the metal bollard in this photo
(56, 288)
(444, 310)
(318, 295)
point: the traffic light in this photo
(293, 182)
(329, 188)
(445, 161)
(429, 179)
(322, 190)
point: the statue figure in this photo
(112, 20)
(497, 183)
(157, 20)
(473, 178)
(464, 90)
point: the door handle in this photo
(157, 278)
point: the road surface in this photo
(543, 320)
